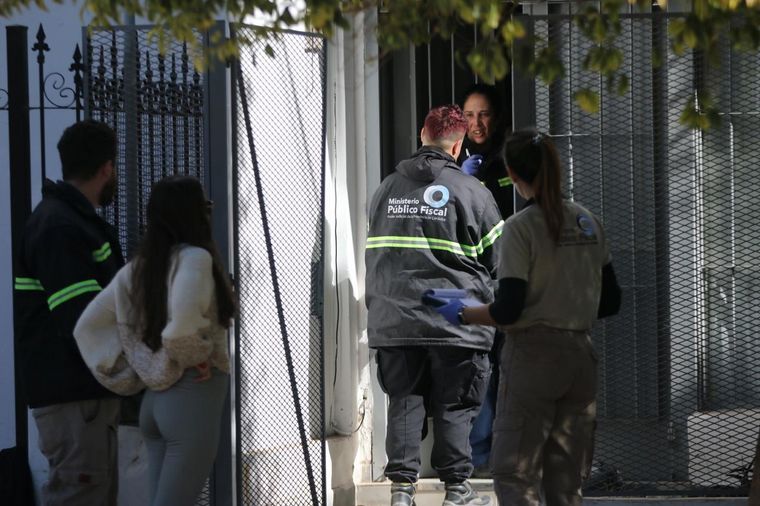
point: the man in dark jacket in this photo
(68, 254)
(431, 226)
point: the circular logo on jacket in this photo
(436, 196)
(585, 224)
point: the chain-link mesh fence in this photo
(679, 371)
(155, 103)
(278, 149)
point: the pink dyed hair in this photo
(445, 122)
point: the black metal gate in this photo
(679, 392)
(278, 122)
(155, 103)
(158, 106)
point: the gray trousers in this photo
(79, 440)
(181, 430)
(452, 382)
(543, 438)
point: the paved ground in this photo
(430, 493)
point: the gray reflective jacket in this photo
(431, 226)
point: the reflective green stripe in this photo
(102, 253)
(391, 241)
(28, 284)
(490, 237)
(415, 242)
(505, 181)
(72, 291)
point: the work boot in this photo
(462, 494)
(402, 494)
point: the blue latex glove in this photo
(448, 302)
(471, 165)
(450, 311)
(442, 296)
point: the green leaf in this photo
(587, 100)
(511, 30)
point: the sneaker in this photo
(402, 494)
(462, 494)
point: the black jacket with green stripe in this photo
(67, 255)
(493, 174)
(431, 226)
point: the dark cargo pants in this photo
(543, 438)
(454, 381)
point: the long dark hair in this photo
(534, 158)
(178, 213)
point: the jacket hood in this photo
(426, 164)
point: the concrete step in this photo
(430, 492)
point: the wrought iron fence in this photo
(679, 390)
(54, 91)
(278, 149)
(155, 103)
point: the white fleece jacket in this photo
(112, 348)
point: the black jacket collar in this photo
(68, 193)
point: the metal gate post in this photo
(20, 181)
(216, 147)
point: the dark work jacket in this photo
(67, 255)
(431, 226)
(493, 174)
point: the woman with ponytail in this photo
(162, 324)
(555, 279)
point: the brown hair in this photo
(534, 158)
(177, 214)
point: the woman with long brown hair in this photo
(162, 324)
(555, 280)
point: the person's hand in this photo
(450, 311)
(471, 165)
(204, 372)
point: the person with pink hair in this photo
(431, 226)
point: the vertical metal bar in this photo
(661, 211)
(235, 232)
(87, 81)
(77, 67)
(162, 110)
(413, 99)
(174, 111)
(187, 103)
(429, 71)
(453, 75)
(143, 186)
(41, 46)
(19, 146)
(322, 393)
(523, 86)
(198, 103)
(112, 101)
(100, 94)
(130, 63)
(215, 166)
(150, 88)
